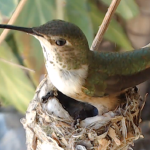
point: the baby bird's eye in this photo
(60, 42)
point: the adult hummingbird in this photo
(88, 76)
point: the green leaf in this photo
(77, 12)
(127, 8)
(15, 86)
(115, 32)
(34, 13)
(42, 12)
(7, 7)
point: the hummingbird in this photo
(97, 78)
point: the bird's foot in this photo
(76, 123)
(51, 93)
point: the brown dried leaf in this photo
(103, 144)
(113, 135)
(124, 128)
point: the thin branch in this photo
(16, 65)
(13, 19)
(60, 4)
(97, 41)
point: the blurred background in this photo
(129, 29)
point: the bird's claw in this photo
(51, 93)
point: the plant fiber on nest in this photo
(52, 130)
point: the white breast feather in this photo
(68, 82)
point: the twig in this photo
(19, 66)
(60, 4)
(99, 36)
(13, 19)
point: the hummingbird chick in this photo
(97, 78)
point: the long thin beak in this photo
(23, 29)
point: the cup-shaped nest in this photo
(51, 125)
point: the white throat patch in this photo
(68, 82)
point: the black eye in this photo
(60, 42)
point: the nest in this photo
(50, 127)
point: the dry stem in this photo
(99, 36)
(16, 65)
(13, 19)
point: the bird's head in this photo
(63, 43)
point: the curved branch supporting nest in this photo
(50, 127)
